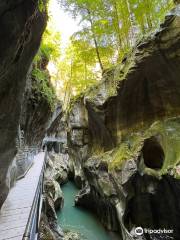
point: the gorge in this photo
(80, 221)
(113, 152)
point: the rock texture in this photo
(78, 140)
(123, 138)
(36, 115)
(57, 167)
(99, 194)
(144, 88)
(22, 25)
(36, 112)
(154, 205)
(56, 173)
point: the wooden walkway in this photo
(16, 209)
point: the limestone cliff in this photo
(123, 138)
(37, 111)
(22, 25)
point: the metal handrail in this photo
(33, 220)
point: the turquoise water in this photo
(78, 219)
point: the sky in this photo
(63, 22)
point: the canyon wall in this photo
(123, 138)
(22, 25)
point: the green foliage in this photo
(42, 87)
(128, 149)
(39, 75)
(42, 5)
(108, 30)
(115, 24)
(49, 51)
(77, 69)
(122, 154)
(50, 46)
(168, 133)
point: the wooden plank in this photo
(22, 204)
(10, 233)
(16, 238)
(16, 209)
(8, 219)
(13, 224)
(15, 212)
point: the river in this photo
(80, 220)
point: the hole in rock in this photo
(153, 153)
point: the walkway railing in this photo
(32, 226)
(20, 213)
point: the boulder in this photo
(57, 168)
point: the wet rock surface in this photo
(56, 173)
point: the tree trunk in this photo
(95, 42)
(117, 22)
(148, 14)
(131, 22)
(68, 89)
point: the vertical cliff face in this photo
(78, 134)
(22, 25)
(125, 144)
(142, 89)
(36, 112)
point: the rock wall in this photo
(22, 25)
(35, 115)
(56, 173)
(143, 88)
(78, 140)
(123, 138)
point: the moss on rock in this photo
(41, 84)
(167, 133)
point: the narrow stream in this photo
(79, 220)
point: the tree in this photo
(89, 13)
(109, 29)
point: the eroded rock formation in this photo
(36, 112)
(22, 25)
(124, 138)
(56, 173)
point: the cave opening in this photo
(153, 153)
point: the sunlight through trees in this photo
(108, 30)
